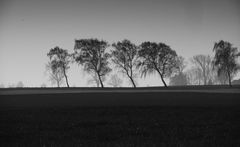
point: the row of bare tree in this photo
(201, 72)
(95, 57)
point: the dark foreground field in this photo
(120, 126)
(162, 118)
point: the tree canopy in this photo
(55, 73)
(98, 58)
(91, 53)
(59, 61)
(225, 59)
(157, 57)
(124, 56)
(204, 65)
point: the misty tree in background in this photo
(222, 79)
(43, 85)
(2, 85)
(124, 56)
(91, 53)
(225, 59)
(59, 61)
(94, 80)
(11, 85)
(236, 82)
(194, 76)
(20, 84)
(181, 64)
(55, 74)
(157, 57)
(115, 81)
(203, 63)
(179, 78)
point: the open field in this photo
(172, 96)
(120, 126)
(142, 117)
(205, 89)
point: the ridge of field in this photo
(172, 96)
(202, 89)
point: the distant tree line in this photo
(95, 56)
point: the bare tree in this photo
(91, 53)
(124, 56)
(181, 64)
(157, 57)
(115, 81)
(194, 76)
(59, 60)
(203, 63)
(225, 59)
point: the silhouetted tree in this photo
(60, 60)
(124, 57)
(158, 58)
(55, 74)
(91, 53)
(204, 65)
(225, 59)
(115, 81)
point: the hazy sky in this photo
(29, 28)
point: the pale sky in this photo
(29, 28)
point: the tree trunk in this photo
(134, 85)
(205, 80)
(58, 84)
(204, 76)
(99, 77)
(229, 79)
(66, 80)
(65, 77)
(165, 85)
(131, 79)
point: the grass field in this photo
(147, 118)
